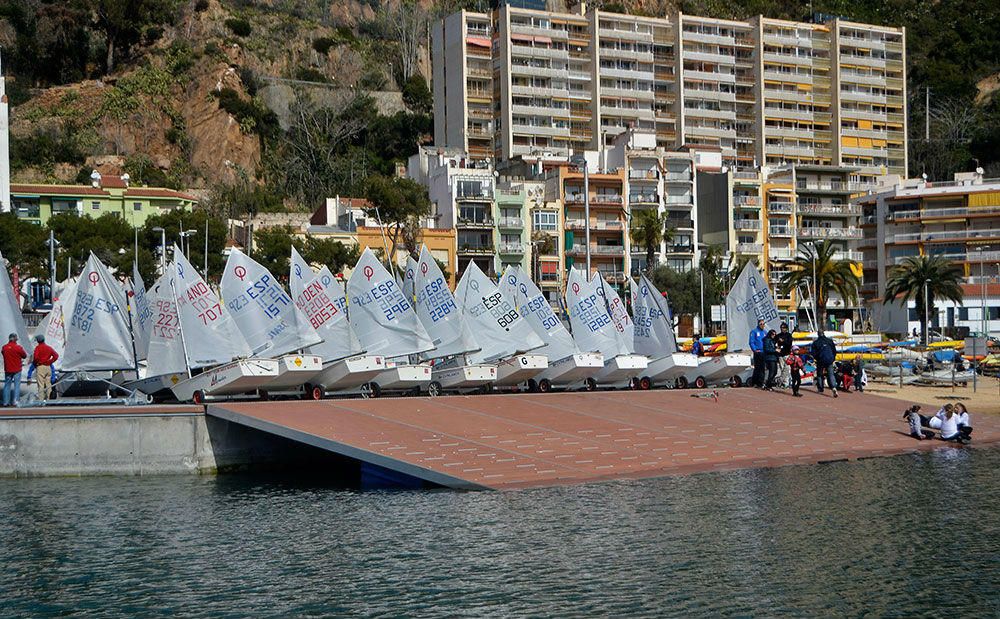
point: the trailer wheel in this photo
(700, 382)
(545, 385)
(681, 383)
(434, 389)
(370, 391)
(645, 383)
(315, 392)
(532, 385)
(735, 381)
(198, 397)
(590, 384)
(264, 396)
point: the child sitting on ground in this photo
(912, 417)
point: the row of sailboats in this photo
(180, 339)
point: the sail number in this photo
(435, 296)
(590, 310)
(87, 307)
(542, 311)
(387, 297)
(316, 304)
(166, 323)
(266, 293)
(201, 300)
(501, 310)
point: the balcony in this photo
(830, 233)
(474, 223)
(780, 253)
(580, 224)
(597, 250)
(746, 224)
(644, 198)
(596, 200)
(676, 222)
(482, 196)
(643, 175)
(944, 236)
(749, 248)
(477, 250)
(781, 231)
(832, 186)
(513, 223)
(830, 209)
(851, 255)
(779, 207)
(512, 248)
(680, 248)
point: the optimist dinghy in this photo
(386, 325)
(566, 365)
(345, 368)
(653, 335)
(11, 319)
(212, 342)
(449, 331)
(165, 362)
(503, 335)
(270, 322)
(600, 323)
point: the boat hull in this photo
(404, 377)
(719, 369)
(464, 376)
(294, 371)
(234, 378)
(621, 369)
(519, 369)
(572, 370)
(158, 387)
(350, 373)
(670, 368)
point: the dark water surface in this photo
(905, 536)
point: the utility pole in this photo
(52, 266)
(927, 115)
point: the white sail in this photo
(536, 310)
(410, 279)
(653, 327)
(210, 335)
(53, 326)
(382, 317)
(11, 320)
(592, 327)
(166, 348)
(749, 300)
(265, 314)
(97, 335)
(498, 329)
(624, 328)
(437, 310)
(321, 298)
(142, 314)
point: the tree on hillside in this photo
(405, 23)
(123, 22)
(650, 228)
(832, 276)
(399, 204)
(417, 96)
(906, 282)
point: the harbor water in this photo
(903, 536)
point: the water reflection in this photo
(873, 537)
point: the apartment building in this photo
(958, 220)
(512, 233)
(764, 91)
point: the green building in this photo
(107, 194)
(511, 233)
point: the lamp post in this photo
(186, 234)
(982, 288)
(52, 242)
(582, 161)
(163, 248)
(927, 316)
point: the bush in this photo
(323, 44)
(416, 95)
(239, 27)
(252, 117)
(200, 6)
(180, 58)
(44, 148)
(309, 74)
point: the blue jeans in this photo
(11, 387)
(827, 373)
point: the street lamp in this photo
(927, 314)
(186, 234)
(52, 243)
(163, 249)
(982, 289)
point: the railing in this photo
(753, 201)
(597, 250)
(832, 186)
(941, 236)
(643, 174)
(641, 198)
(482, 195)
(749, 248)
(781, 253)
(746, 224)
(780, 231)
(511, 248)
(830, 233)
(850, 255)
(475, 249)
(958, 211)
(779, 207)
(598, 199)
(476, 223)
(673, 222)
(830, 209)
(511, 222)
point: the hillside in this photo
(221, 95)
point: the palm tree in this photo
(648, 230)
(832, 276)
(906, 281)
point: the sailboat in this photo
(409, 279)
(449, 331)
(748, 301)
(386, 325)
(599, 324)
(11, 319)
(321, 298)
(212, 342)
(653, 335)
(271, 323)
(566, 366)
(165, 361)
(53, 326)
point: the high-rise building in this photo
(765, 92)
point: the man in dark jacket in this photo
(824, 351)
(783, 340)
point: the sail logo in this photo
(241, 273)
(369, 273)
(94, 277)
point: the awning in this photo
(546, 40)
(478, 41)
(521, 37)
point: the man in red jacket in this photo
(13, 356)
(44, 356)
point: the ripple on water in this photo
(876, 537)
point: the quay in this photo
(471, 442)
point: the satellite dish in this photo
(924, 176)
(980, 171)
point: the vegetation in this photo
(831, 276)
(649, 228)
(906, 281)
(399, 204)
(239, 27)
(273, 248)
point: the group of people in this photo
(777, 361)
(951, 421)
(14, 356)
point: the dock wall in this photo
(141, 444)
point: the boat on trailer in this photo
(654, 336)
(567, 366)
(386, 326)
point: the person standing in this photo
(770, 359)
(795, 365)
(757, 347)
(697, 348)
(783, 340)
(43, 358)
(13, 358)
(860, 378)
(824, 351)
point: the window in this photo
(95, 206)
(546, 220)
(63, 206)
(26, 208)
(137, 206)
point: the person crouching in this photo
(917, 423)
